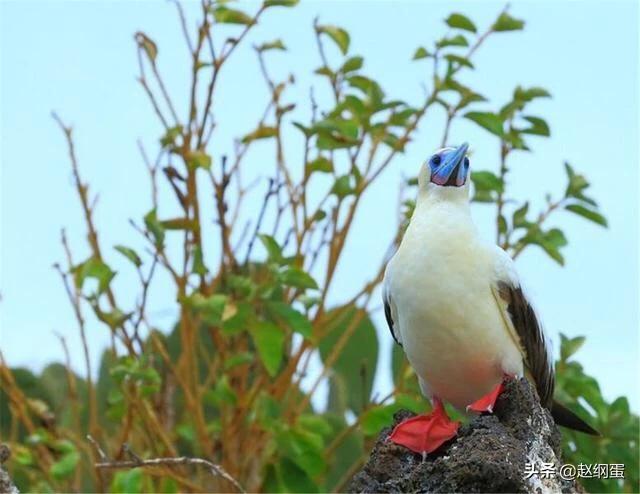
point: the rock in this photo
(6, 484)
(488, 455)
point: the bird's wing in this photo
(390, 311)
(523, 326)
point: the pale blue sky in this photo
(78, 58)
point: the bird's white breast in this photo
(450, 325)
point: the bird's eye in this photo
(466, 162)
(436, 160)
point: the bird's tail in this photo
(566, 418)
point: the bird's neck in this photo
(445, 214)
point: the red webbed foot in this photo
(488, 401)
(425, 433)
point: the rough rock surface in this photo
(488, 455)
(6, 484)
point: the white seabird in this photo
(456, 306)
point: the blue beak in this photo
(452, 171)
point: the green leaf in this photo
(510, 109)
(326, 71)
(148, 45)
(487, 120)
(486, 184)
(198, 159)
(577, 184)
(129, 254)
(514, 138)
(66, 465)
(305, 130)
(483, 196)
(374, 419)
(127, 481)
(320, 164)
(393, 141)
(467, 95)
(222, 393)
(556, 237)
(269, 340)
(211, 308)
(273, 249)
(336, 133)
(507, 23)
(569, 346)
(460, 21)
(401, 117)
(272, 45)
(294, 320)
(198, 266)
(551, 242)
(238, 359)
(114, 319)
(186, 431)
(338, 35)
(291, 478)
(22, 455)
(280, 3)
(350, 451)
(329, 142)
(170, 136)
(342, 187)
(553, 253)
(538, 127)
(297, 278)
(356, 106)
(589, 214)
(93, 268)
(155, 228)
(462, 61)
(304, 448)
(238, 321)
(502, 224)
(319, 215)
(262, 132)
(457, 40)
(226, 15)
(520, 216)
(352, 64)
(315, 423)
(421, 52)
(370, 88)
(355, 365)
(179, 224)
(527, 95)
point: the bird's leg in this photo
(488, 401)
(425, 433)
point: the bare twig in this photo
(101, 454)
(136, 462)
(183, 25)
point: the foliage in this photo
(225, 383)
(618, 426)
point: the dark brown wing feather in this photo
(389, 317)
(538, 359)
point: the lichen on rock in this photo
(488, 455)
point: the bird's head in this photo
(446, 171)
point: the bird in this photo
(455, 304)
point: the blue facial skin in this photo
(449, 168)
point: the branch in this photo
(136, 461)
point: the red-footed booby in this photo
(455, 305)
